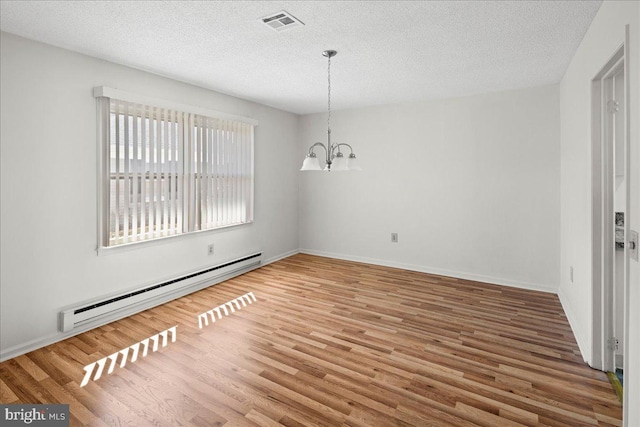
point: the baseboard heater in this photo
(94, 313)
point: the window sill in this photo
(108, 250)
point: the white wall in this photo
(471, 185)
(602, 40)
(48, 216)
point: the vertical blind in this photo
(169, 172)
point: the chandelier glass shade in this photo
(334, 158)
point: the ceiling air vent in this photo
(281, 21)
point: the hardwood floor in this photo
(331, 343)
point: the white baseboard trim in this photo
(581, 338)
(20, 349)
(281, 256)
(436, 271)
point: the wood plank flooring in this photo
(331, 343)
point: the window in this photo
(170, 171)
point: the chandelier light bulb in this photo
(311, 163)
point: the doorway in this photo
(610, 202)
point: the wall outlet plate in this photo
(210, 249)
(394, 237)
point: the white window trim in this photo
(103, 159)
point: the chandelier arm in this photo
(326, 151)
(335, 149)
(345, 144)
(316, 145)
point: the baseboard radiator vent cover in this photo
(108, 309)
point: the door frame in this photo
(603, 217)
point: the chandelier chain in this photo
(329, 92)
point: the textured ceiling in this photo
(388, 51)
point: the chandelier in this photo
(335, 160)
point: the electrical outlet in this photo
(394, 237)
(633, 244)
(210, 249)
(571, 274)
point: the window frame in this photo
(103, 95)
